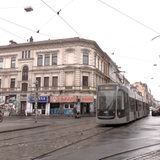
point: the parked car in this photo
(156, 111)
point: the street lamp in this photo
(36, 99)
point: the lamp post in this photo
(36, 99)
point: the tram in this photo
(117, 104)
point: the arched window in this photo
(24, 86)
(25, 73)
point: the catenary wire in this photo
(133, 19)
(69, 25)
(12, 33)
(66, 5)
(23, 27)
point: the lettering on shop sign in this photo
(87, 99)
(63, 99)
(68, 99)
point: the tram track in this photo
(71, 144)
(55, 138)
(135, 157)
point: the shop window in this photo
(66, 106)
(71, 105)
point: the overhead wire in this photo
(21, 26)
(69, 25)
(29, 29)
(55, 14)
(12, 33)
(133, 19)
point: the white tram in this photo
(118, 104)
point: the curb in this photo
(22, 128)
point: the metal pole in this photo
(36, 100)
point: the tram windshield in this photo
(106, 104)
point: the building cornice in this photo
(57, 43)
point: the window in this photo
(85, 81)
(98, 63)
(12, 83)
(39, 81)
(47, 60)
(85, 58)
(54, 81)
(1, 62)
(24, 86)
(54, 59)
(46, 81)
(26, 54)
(13, 62)
(25, 73)
(95, 60)
(40, 60)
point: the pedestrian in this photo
(76, 113)
(26, 112)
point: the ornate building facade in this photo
(67, 72)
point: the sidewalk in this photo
(15, 123)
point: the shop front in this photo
(42, 105)
(63, 105)
(87, 105)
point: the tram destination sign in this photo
(100, 88)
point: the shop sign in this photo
(23, 97)
(41, 99)
(87, 99)
(56, 99)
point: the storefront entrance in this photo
(55, 108)
(85, 108)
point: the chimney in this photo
(31, 39)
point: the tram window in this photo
(139, 105)
(132, 104)
(120, 100)
(102, 101)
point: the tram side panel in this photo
(132, 105)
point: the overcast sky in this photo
(122, 27)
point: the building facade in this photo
(67, 72)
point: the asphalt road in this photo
(66, 138)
